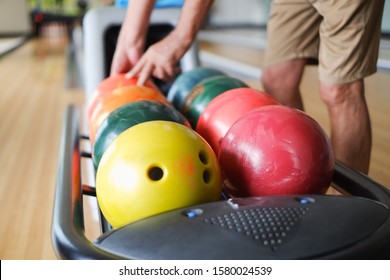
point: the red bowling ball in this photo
(276, 150)
(227, 108)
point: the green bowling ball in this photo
(205, 91)
(129, 115)
(184, 83)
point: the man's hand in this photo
(160, 61)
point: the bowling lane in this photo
(9, 44)
(32, 103)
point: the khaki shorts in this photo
(341, 35)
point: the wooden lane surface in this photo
(32, 102)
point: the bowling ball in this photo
(225, 109)
(117, 98)
(108, 85)
(205, 91)
(154, 167)
(184, 83)
(276, 150)
(127, 116)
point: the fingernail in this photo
(128, 75)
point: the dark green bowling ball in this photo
(205, 91)
(184, 83)
(129, 115)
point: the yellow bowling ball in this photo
(154, 167)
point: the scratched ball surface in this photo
(154, 167)
(184, 83)
(276, 150)
(204, 92)
(225, 109)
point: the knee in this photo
(331, 95)
(270, 80)
(275, 81)
(334, 95)
(283, 76)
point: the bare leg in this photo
(349, 117)
(350, 123)
(282, 81)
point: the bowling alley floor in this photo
(35, 93)
(32, 102)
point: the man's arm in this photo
(161, 58)
(132, 36)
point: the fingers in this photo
(176, 71)
(166, 73)
(124, 59)
(144, 71)
(119, 65)
(149, 66)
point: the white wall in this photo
(386, 18)
(228, 12)
(256, 12)
(14, 17)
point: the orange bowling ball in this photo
(120, 96)
(108, 85)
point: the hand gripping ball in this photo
(155, 167)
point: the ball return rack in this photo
(353, 225)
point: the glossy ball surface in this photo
(276, 150)
(225, 109)
(154, 167)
